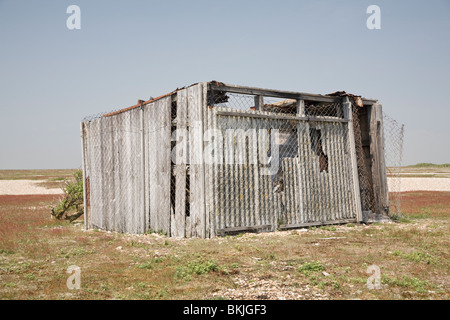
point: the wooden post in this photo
(83, 168)
(179, 221)
(348, 114)
(300, 113)
(381, 192)
(259, 103)
(143, 226)
(197, 192)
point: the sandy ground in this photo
(20, 187)
(420, 184)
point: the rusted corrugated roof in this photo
(143, 103)
(139, 104)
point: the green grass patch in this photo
(407, 282)
(313, 266)
(429, 165)
(197, 267)
(328, 228)
(416, 256)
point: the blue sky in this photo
(51, 77)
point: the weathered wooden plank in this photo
(263, 146)
(383, 176)
(241, 199)
(178, 223)
(318, 223)
(242, 229)
(269, 187)
(131, 183)
(324, 196)
(159, 128)
(148, 158)
(273, 93)
(302, 173)
(102, 177)
(259, 102)
(269, 115)
(206, 168)
(165, 163)
(112, 211)
(91, 150)
(197, 192)
(381, 193)
(143, 220)
(216, 172)
(348, 114)
(122, 152)
(88, 162)
(117, 135)
(344, 169)
(300, 105)
(334, 171)
(285, 218)
(255, 173)
(280, 93)
(374, 151)
(135, 176)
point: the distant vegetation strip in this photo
(429, 165)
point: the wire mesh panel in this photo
(393, 140)
(279, 163)
(200, 162)
(128, 169)
(114, 171)
(363, 160)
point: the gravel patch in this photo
(24, 187)
(250, 288)
(420, 184)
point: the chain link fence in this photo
(278, 163)
(120, 162)
(393, 144)
(284, 164)
(114, 171)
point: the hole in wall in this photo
(316, 146)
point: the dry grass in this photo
(320, 263)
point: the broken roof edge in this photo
(215, 85)
(332, 97)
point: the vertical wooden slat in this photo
(159, 128)
(348, 114)
(197, 193)
(206, 168)
(381, 193)
(179, 221)
(259, 103)
(255, 172)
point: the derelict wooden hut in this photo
(212, 159)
